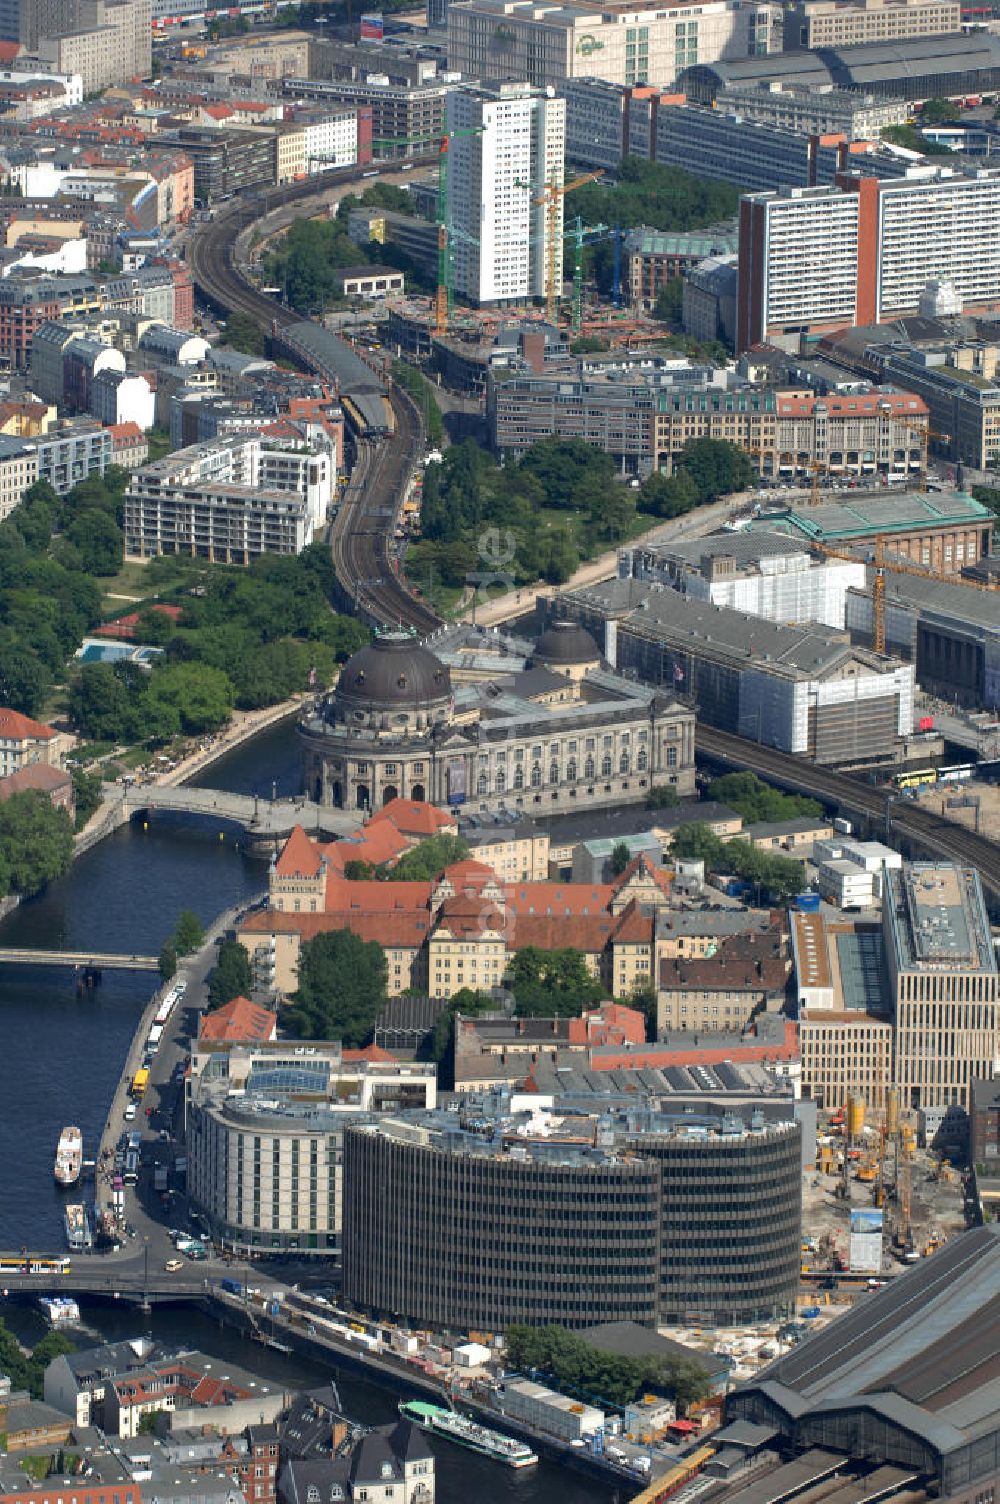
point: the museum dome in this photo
(564, 643)
(394, 674)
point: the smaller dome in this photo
(566, 642)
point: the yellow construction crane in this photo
(897, 566)
(553, 250)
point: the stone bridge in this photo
(266, 822)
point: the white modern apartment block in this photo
(500, 232)
(229, 499)
(864, 251)
(331, 141)
(493, 40)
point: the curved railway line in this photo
(367, 570)
(362, 534)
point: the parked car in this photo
(172, 1265)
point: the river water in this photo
(63, 1052)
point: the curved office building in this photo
(477, 1223)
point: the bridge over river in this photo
(265, 821)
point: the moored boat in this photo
(466, 1432)
(79, 1236)
(69, 1157)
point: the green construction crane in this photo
(577, 235)
(445, 290)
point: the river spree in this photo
(62, 1055)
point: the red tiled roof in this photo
(299, 857)
(37, 777)
(20, 728)
(414, 817)
(123, 628)
(803, 405)
(372, 1052)
(238, 1020)
(408, 929)
(541, 899)
(124, 435)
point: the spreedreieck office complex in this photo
(478, 1219)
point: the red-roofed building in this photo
(124, 628)
(237, 1022)
(41, 778)
(129, 445)
(23, 740)
(462, 929)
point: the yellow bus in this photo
(139, 1083)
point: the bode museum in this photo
(473, 717)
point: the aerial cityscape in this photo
(500, 752)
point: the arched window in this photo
(571, 770)
(554, 773)
(588, 768)
(483, 783)
(536, 775)
(641, 761)
(623, 763)
(501, 780)
(519, 777)
(606, 765)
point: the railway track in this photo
(361, 542)
(921, 826)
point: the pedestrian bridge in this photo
(82, 960)
(262, 819)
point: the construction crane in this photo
(880, 564)
(550, 197)
(579, 234)
(445, 291)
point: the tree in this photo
(582, 1368)
(167, 964)
(231, 976)
(669, 301)
(105, 702)
(198, 696)
(696, 842)
(552, 984)
(427, 859)
(938, 111)
(342, 988)
(620, 858)
(243, 333)
(717, 467)
(36, 841)
(86, 795)
(756, 800)
(662, 796)
(356, 871)
(24, 679)
(98, 540)
(470, 1004)
(189, 934)
(668, 495)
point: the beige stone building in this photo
(846, 23)
(943, 982)
(107, 43)
(18, 471)
(724, 990)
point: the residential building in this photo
(245, 1097)
(227, 161)
(964, 404)
(389, 114)
(397, 725)
(878, 244)
(800, 689)
(764, 574)
(708, 306)
(494, 40)
(746, 974)
(984, 1127)
(813, 112)
(24, 741)
(388, 1464)
(370, 282)
(116, 397)
(478, 1219)
(189, 1391)
(720, 144)
(106, 43)
(845, 1026)
(72, 450)
(813, 24)
(129, 445)
(942, 982)
(509, 148)
(41, 778)
(230, 499)
(18, 471)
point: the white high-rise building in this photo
(496, 176)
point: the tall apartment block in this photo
(863, 250)
(943, 982)
(496, 175)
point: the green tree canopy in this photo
(756, 800)
(342, 988)
(580, 1368)
(189, 934)
(425, 860)
(36, 843)
(167, 964)
(552, 984)
(231, 975)
(620, 858)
